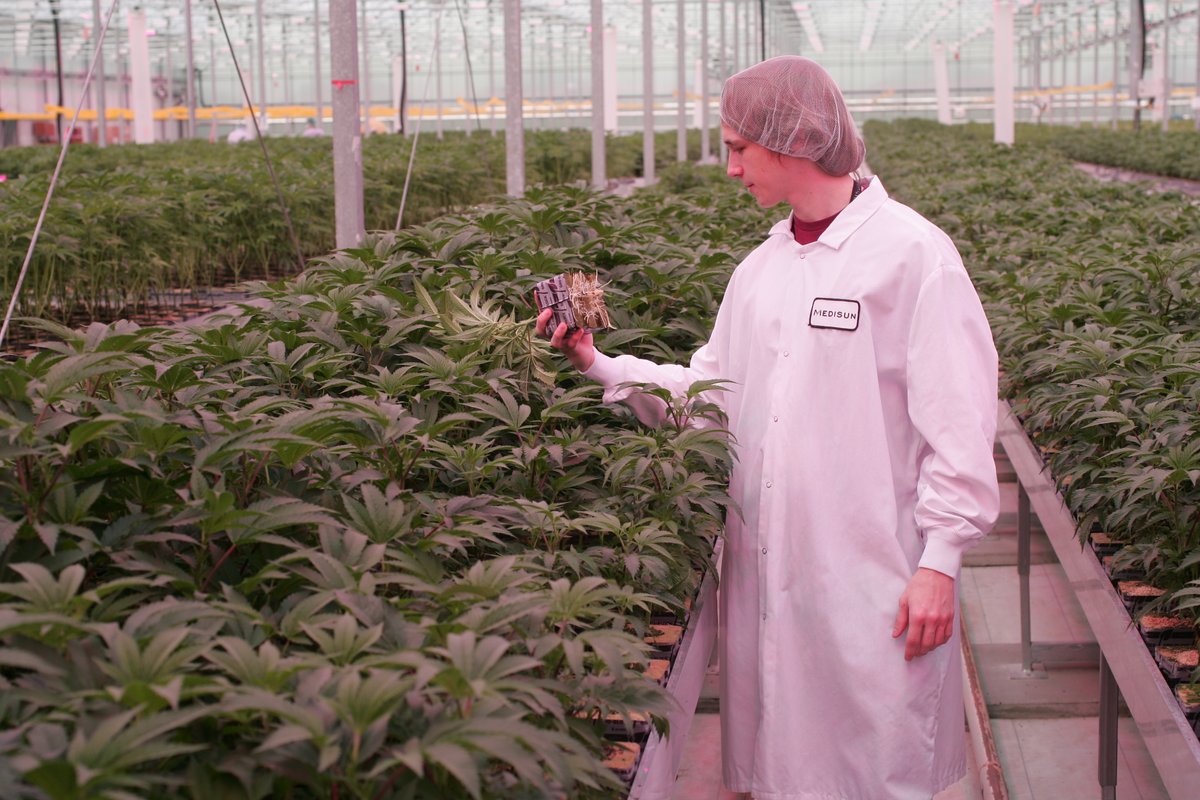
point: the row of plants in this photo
(361, 539)
(137, 226)
(1174, 153)
(1093, 292)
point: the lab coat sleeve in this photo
(952, 376)
(706, 364)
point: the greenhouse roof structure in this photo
(870, 46)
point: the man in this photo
(862, 401)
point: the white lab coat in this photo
(862, 454)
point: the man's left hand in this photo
(927, 612)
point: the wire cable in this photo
(62, 155)
(287, 217)
(412, 155)
(470, 73)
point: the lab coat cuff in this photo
(943, 556)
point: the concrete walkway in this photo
(1046, 726)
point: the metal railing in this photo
(1126, 667)
(655, 779)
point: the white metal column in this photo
(702, 88)
(941, 82)
(1164, 94)
(262, 65)
(648, 91)
(190, 89)
(599, 167)
(347, 135)
(724, 75)
(1002, 69)
(1136, 57)
(318, 89)
(437, 70)
(514, 145)
(1116, 42)
(364, 78)
(1096, 67)
(101, 78)
(141, 90)
(681, 86)
(610, 79)
(1079, 68)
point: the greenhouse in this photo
(663, 400)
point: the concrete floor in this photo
(1046, 726)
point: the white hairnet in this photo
(790, 105)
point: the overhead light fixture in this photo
(804, 15)
(874, 9)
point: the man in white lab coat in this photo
(863, 404)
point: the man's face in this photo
(759, 170)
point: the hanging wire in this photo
(417, 128)
(287, 217)
(62, 155)
(470, 73)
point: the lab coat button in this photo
(769, 484)
(775, 419)
(785, 353)
(802, 255)
(764, 551)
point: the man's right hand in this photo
(576, 345)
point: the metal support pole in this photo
(288, 98)
(1110, 702)
(1096, 69)
(762, 30)
(491, 40)
(58, 66)
(1165, 54)
(141, 90)
(347, 136)
(364, 47)
(317, 63)
(262, 64)
(599, 167)
(1116, 40)
(101, 78)
(648, 92)
(702, 89)
(402, 106)
(190, 89)
(681, 83)
(1024, 532)
(737, 37)
(514, 144)
(1137, 55)
(437, 73)
(724, 74)
(1079, 69)
(168, 81)
(1002, 68)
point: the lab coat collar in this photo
(848, 221)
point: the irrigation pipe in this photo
(417, 128)
(62, 156)
(287, 217)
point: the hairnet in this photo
(790, 105)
